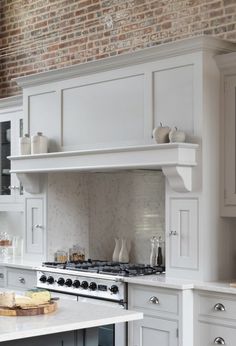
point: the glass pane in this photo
(106, 335)
(5, 147)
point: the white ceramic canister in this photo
(116, 252)
(25, 145)
(39, 144)
(124, 251)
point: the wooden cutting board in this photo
(29, 311)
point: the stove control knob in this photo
(92, 286)
(84, 285)
(114, 289)
(76, 284)
(43, 278)
(61, 281)
(68, 283)
(50, 280)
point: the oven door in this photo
(109, 335)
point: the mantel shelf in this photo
(176, 160)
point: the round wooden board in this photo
(33, 311)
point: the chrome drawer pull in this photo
(154, 300)
(219, 341)
(219, 307)
(22, 280)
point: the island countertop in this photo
(69, 316)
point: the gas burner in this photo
(107, 267)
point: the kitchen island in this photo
(65, 326)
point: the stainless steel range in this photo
(101, 282)
(94, 279)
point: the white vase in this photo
(115, 256)
(124, 253)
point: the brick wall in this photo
(37, 35)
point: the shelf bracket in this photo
(30, 181)
(179, 177)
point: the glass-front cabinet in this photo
(11, 127)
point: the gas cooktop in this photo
(106, 267)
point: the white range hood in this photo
(176, 160)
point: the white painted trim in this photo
(13, 101)
(179, 158)
(167, 50)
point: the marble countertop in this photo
(19, 262)
(69, 316)
(161, 280)
(156, 280)
(182, 284)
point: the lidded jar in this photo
(25, 145)
(39, 144)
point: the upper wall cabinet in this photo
(227, 64)
(11, 128)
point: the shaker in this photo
(160, 249)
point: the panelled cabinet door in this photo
(183, 233)
(10, 131)
(34, 226)
(155, 332)
(229, 163)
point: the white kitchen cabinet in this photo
(2, 276)
(20, 279)
(182, 233)
(35, 230)
(167, 316)
(155, 331)
(11, 128)
(215, 319)
(227, 65)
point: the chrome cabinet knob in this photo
(219, 341)
(21, 280)
(173, 233)
(38, 226)
(13, 187)
(1, 276)
(219, 307)
(154, 300)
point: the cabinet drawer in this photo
(153, 300)
(217, 306)
(21, 279)
(214, 334)
(2, 277)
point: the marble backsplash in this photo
(91, 209)
(68, 212)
